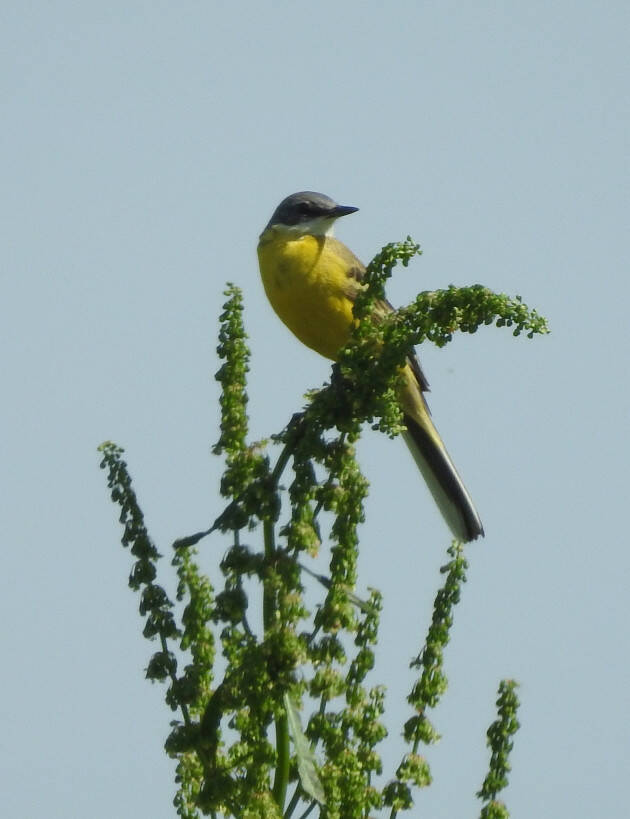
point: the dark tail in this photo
(441, 477)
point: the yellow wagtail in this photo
(311, 280)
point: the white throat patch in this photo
(319, 226)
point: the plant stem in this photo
(310, 809)
(293, 802)
(281, 779)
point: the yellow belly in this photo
(306, 281)
(306, 284)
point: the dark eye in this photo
(305, 209)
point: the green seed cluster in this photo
(288, 701)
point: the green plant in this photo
(279, 718)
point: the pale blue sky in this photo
(144, 147)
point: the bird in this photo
(311, 280)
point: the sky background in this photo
(144, 146)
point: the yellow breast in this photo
(306, 282)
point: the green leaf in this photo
(190, 540)
(307, 767)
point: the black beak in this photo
(343, 210)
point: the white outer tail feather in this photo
(456, 507)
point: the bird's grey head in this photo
(308, 212)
